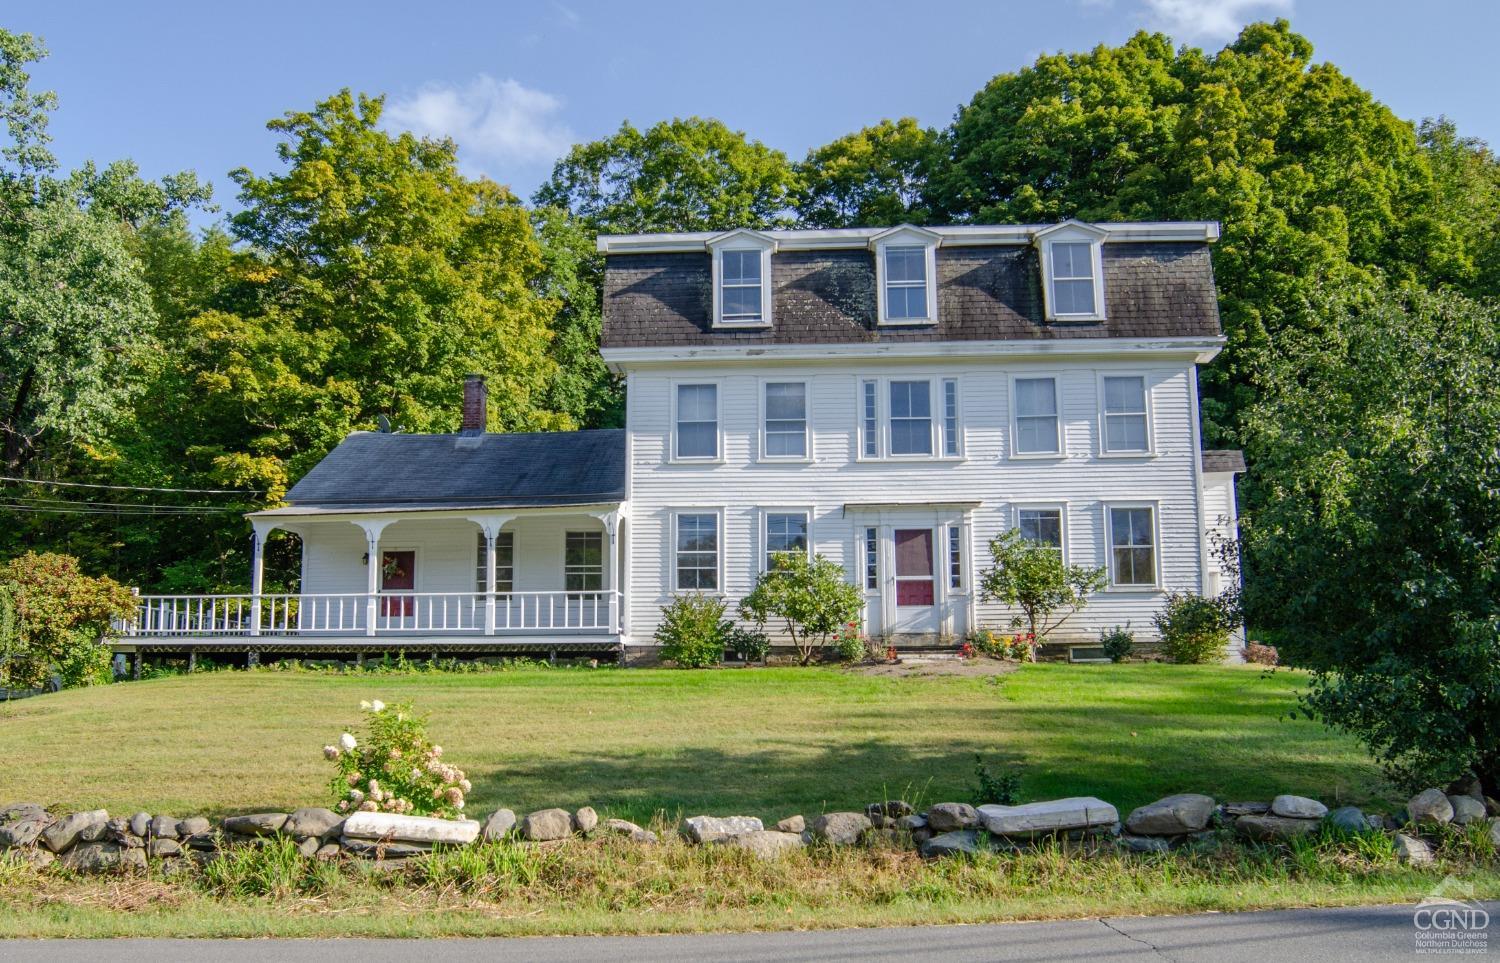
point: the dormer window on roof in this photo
(1072, 271)
(742, 279)
(906, 275)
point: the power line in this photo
(160, 511)
(131, 488)
(73, 501)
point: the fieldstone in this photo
(37, 857)
(162, 848)
(920, 836)
(1055, 815)
(914, 822)
(960, 842)
(117, 830)
(891, 809)
(411, 829)
(545, 824)
(329, 850)
(22, 823)
(61, 835)
(256, 824)
(1349, 818)
(840, 829)
(164, 827)
(192, 826)
(1466, 809)
(1413, 849)
(203, 842)
(699, 829)
(1430, 807)
(766, 843)
(383, 849)
(1466, 785)
(309, 846)
(1145, 844)
(949, 816)
(498, 826)
(94, 857)
(1172, 816)
(792, 824)
(624, 827)
(1237, 809)
(1268, 828)
(1492, 806)
(313, 821)
(1298, 807)
(140, 824)
(585, 819)
(1495, 831)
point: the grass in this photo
(651, 745)
(637, 742)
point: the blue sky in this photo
(190, 85)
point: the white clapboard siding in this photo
(741, 486)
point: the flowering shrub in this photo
(1021, 647)
(850, 643)
(393, 767)
(966, 651)
(1262, 654)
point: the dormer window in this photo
(906, 275)
(742, 279)
(1072, 271)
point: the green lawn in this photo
(635, 742)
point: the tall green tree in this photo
(1379, 433)
(873, 177)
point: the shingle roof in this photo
(1228, 459)
(1151, 289)
(461, 471)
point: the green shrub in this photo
(851, 644)
(1193, 629)
(54, 620)
(693, 632)
(812, 597)
(1001, 788)
(1117, 643)
(752, 645)
(393, 767)
(1031, 577)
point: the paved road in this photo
(1364, 934)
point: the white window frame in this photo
(765, 530)
(675, 514)
(585, 571)
(1062, 425)
(1156, 546)
(807, 433)
(742, 240)
(1062, 511)
(883, 417)
(1104, 449)
(1072, 232)
(865, 533)
(718, 457)
(507, 534)
(958, 417)
(906, 236)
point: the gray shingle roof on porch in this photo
(539, 470)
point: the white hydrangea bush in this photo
(393, 767)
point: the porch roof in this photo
(374, 471)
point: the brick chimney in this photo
(476, 404)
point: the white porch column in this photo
(263, 529)
(490, 525)
(372, 529)
(611, 522)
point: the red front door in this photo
(398, 573)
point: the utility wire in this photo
(131, 488)
(160, 511)
(28, 499)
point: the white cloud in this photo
(1210, 19)
(492, 121)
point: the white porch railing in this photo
(386, 613)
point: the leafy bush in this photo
(752, 645)
(1193, 629)
(1001, 788)
(54, 620)
(1032, 577)
(986, 642)
(693, 632)
(1262, 654)
(811, 596)
(851, 644)
(393, 767)
(1117, 643)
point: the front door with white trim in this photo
(914, 580)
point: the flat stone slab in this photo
(312, 821)
(1270, 828)
(1172, 816)
(410, 829)
(1055, 815)
(766, 843)
(700, 829)
(1298, 807)
(959, 842)
(255, 824)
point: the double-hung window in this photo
(955, 557)
(697, 429)
(505, 562)
(1041, 526)
(1132, 546)
(906, 283)
(1037, 428)
(583, 561)
(740, 283)
(872, 559)
(1073, 279)
(786, 419)
(786, 532)
(869, 419)
(1126, 425)
(911, 418)
(697, 555)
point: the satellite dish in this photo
(384, 423)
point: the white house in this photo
(890, 399)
